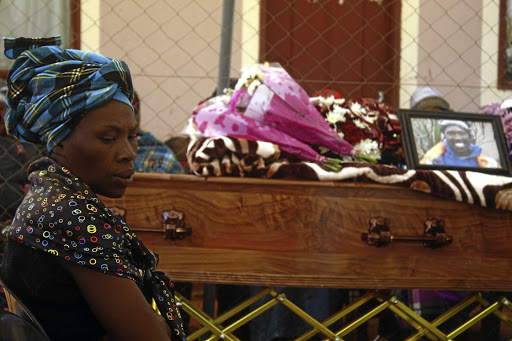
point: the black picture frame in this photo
(422, 140)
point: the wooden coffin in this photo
(311, 233)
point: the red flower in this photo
(351, 133)
(380, 123)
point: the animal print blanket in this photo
(226, 156)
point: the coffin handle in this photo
(379, 234)
(174, 225)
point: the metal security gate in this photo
(351, 321)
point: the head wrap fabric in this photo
(427, 97)
(50, 88)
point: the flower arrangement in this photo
(268, 105)
(367, 124)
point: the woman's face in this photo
(101, 149)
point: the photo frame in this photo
(447, 140)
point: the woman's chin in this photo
(114, 194)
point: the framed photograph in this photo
(454, 140)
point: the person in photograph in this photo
(457, 148)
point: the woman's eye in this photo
(108, 139)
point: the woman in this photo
(79, 269)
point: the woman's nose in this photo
(128, 151)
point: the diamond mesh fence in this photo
(382, 49)
(365, 48)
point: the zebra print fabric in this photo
(226, 156)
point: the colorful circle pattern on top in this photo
(62, 216)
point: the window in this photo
(39, 18)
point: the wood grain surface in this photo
(308, 233)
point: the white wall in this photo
(453, 46)
(172, 48)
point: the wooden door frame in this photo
(393, 94)
(503, 82)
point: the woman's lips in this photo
(123, 180)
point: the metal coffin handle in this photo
(379, 234)
(174, 225)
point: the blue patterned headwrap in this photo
(50, 88)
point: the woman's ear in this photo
(58, 153)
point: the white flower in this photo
(341, 134)
(241, 83)
(335, 116)
(326, 101)
(369, 147)
(338, 109)
(249, 74)
(339, 101)
(252, 87)
(360, 124)
(316, 100)
(331, 100)
(393, 116)
(225, 99)
(371, 116)
(356, 108)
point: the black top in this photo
(50, 293)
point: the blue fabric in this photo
(450, 159)
(50, 88)
(153, 156)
